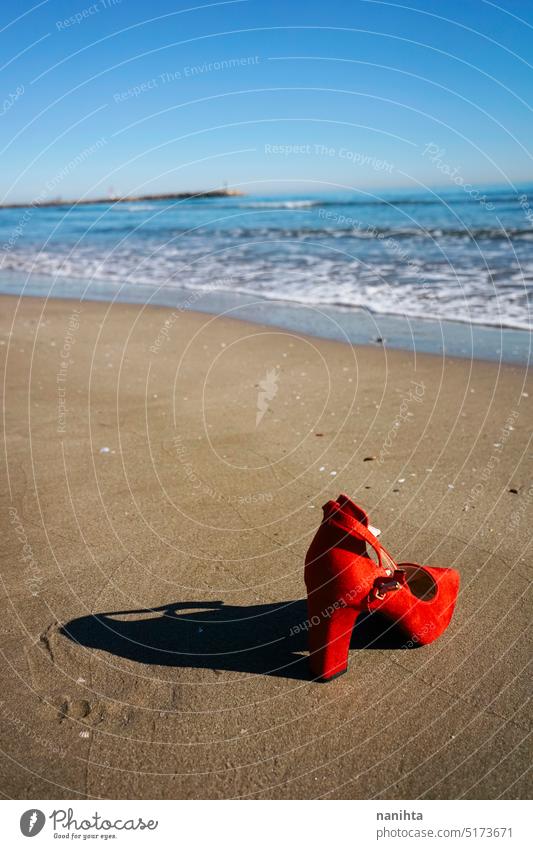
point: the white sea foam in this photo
(276, 204)
(383, 287)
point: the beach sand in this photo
(199, 512)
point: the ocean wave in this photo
(275, 204)
(497, 297)
(402, 200)
(371, 232)
(137, 206)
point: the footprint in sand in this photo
(74, 709)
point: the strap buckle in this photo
(382, 586)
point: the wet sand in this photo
(173, 465)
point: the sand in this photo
(173, 465)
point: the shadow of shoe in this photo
(262, 639)
(258, 639)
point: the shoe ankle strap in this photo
(335, 515)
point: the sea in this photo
(448, 271)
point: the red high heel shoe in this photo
(342, 581)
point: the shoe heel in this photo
(329, 641)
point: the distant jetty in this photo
(215, 193)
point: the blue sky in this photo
(274, 97)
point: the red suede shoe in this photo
(343, 581)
